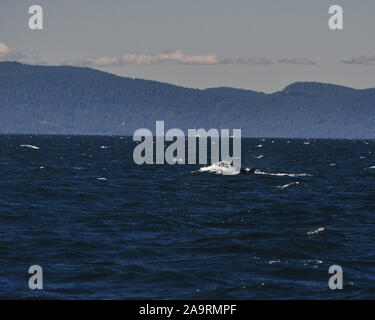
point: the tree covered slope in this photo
(71, 100)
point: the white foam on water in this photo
(222, 167)
(332, 164)
(312, 261)
(259, 157)
(102, 179)
(316, 231)
(372, 167)
(259, 146)
(30, 146)
(226, 168)
(288, 185)
(293, 175)
(104, 147)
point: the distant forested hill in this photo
(71, 100)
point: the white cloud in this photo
(104, 61)
(254, 61)
(172, 57)
(94, 62)
(177, 57)
(298, 61)
(180, 58)
(7, 54)
(4, 49)
(363, 60)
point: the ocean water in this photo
(102, 227)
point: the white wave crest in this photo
(288, 185)
(310, 233)
(30, 146)
(226, 168)
(222, 167)
(293, 175)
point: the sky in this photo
(261, 45)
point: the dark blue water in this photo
(166, 232)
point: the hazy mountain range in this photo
(72, 100)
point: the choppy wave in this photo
(316, 231)
(29, 146)
(222, 167)
(293, 175)
(226, 168)
(288, 185)
(216, 222)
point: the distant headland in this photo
(73, 100)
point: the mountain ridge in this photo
(80, 100)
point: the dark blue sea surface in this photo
(102, 227)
